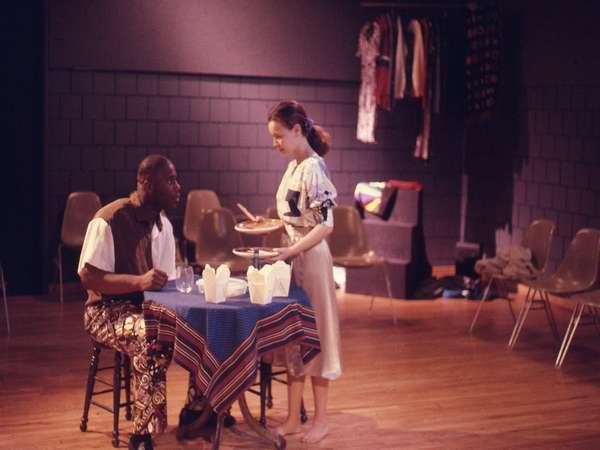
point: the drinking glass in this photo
(185, 279)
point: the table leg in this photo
(255, 258)
(276, 439)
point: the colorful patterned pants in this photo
(120, 325)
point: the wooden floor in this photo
(422, 384)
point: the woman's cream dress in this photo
(305, 198)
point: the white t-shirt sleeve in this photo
(98, 247)
(163, 248)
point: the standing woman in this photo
(305, 199)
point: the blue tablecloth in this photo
(220, 344)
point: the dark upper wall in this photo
(560, 41)
(540, 156)
(313, 39)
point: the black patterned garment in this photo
(482, 63)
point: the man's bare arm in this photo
(99, 280)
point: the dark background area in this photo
(90, 88)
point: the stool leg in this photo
(265, 378)
(89, 389)
(116, 398)
(269, 386)
(303, 415)
(218, 431)
(127, 371)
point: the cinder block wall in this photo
(101, 124)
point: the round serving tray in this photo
(263, 226)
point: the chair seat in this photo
(588, 297)
(502, 277)
(235, 263)
(365, 260)
(558, 285)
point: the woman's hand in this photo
(283, 253)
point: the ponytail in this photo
(319, 140)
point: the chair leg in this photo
(566, 343)
(3, 282)
(89, 390)
(521, 319)
(482, 301)
(595, 318)
(550, 316)
(388, 286)
(512, 311)
(127, 382)
(116, 398)
(184, 255)
(60, 273)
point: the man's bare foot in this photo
(288, 427)
(316, 434)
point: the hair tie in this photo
(309, 125)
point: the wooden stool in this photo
(121, 380)
(266, 378)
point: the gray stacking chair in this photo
(349, 247)
(577, 272)
(79, 210)
(538, 238)
(198, 200)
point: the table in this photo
(221, 344)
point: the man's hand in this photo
(153, 280)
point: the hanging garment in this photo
(482, 63)
(400, 69)
(419, 69)
(383, 64)
(435, 59)
(422, 141)
(368, 49)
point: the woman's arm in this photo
(314, 236)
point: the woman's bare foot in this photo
(316, 434)
(288, 427)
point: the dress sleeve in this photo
(98, 247)
(320, 193)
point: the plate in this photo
(248, 252)
(263, 226)
(235, 287)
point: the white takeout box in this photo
(282, 275)
(215, 283)
(260, 284)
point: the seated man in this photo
(129, 248)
